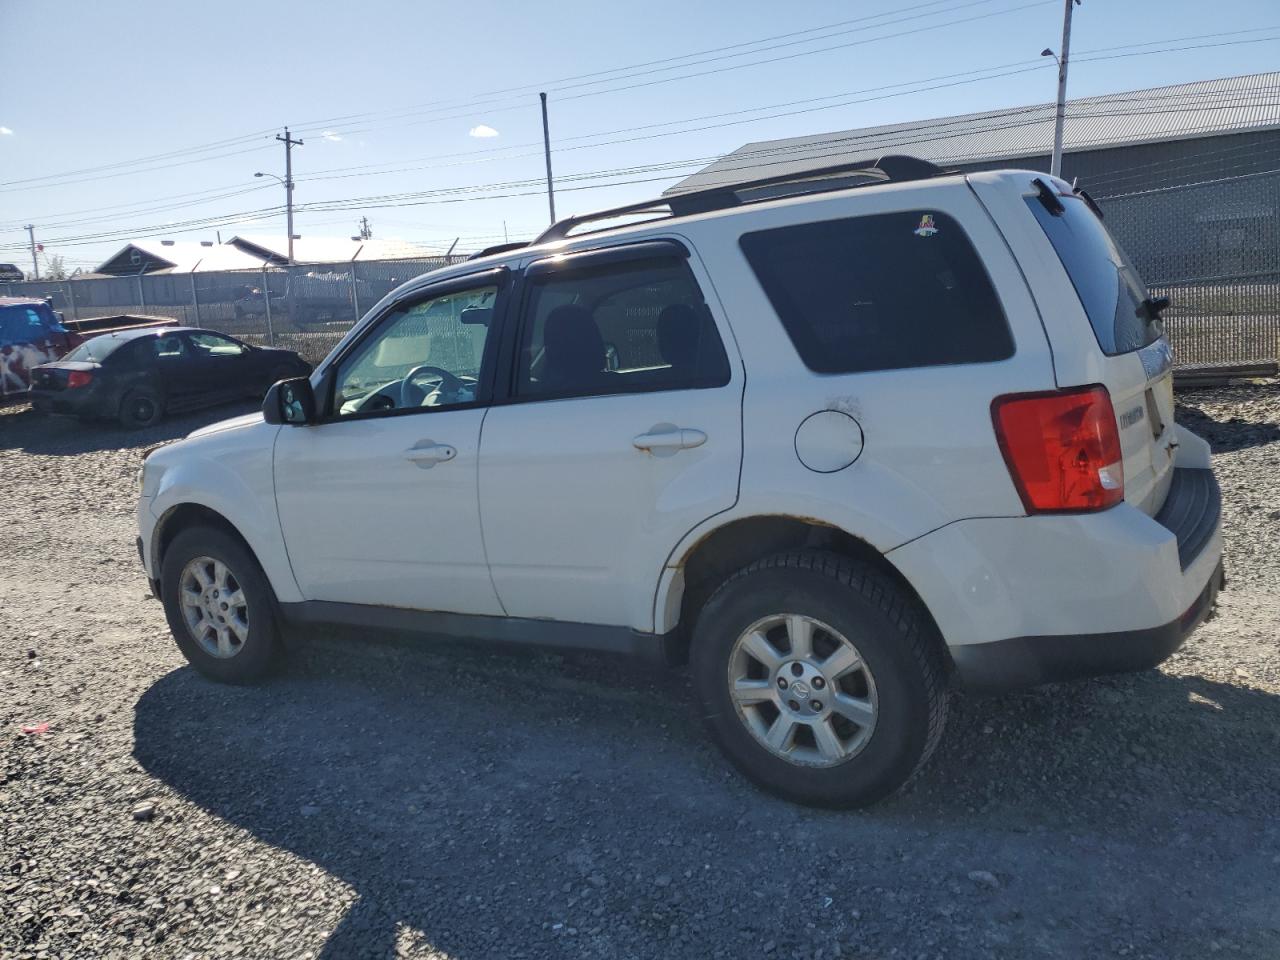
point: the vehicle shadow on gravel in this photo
(501, 803)
(35, 433)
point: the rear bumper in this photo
(1027, 600)
(1028, 661)
(82, 402)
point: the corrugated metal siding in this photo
(1161, 114)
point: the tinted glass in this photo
(880, 292)
(622, 328)
(424, 355)
(168, 348)
(96, 349)
(1106, 282)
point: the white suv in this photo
(838, 441)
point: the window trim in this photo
(499, 277)
(597, 257)
(662, 248)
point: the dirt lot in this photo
(400, 799)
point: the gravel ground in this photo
(399, 799)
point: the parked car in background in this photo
(9, 272)
(137, 376)
(30, 334)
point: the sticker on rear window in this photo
(927, 227)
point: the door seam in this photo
(484, 546)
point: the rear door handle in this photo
(427, 453)
(664, 439)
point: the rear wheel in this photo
(219, 606)
(141, 407)
(820, 678)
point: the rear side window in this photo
(1106, 282)
(880, 292)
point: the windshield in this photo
(96, 349)
(1109, 288)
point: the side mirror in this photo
(290, 401)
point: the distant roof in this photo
(176, 256)
(326, 249)
(1183, 111)
(249, 252)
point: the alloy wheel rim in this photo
(802, 690)
(143, 409)
(214, 607)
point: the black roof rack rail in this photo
(891, 168)
(499, 248)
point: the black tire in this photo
(261, 651)
(896, 640)
(141, 407)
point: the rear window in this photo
(96, 349)
(881, 292)
(1105, 280)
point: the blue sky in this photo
(388, 97)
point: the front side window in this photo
(215, 345)
(880, 292)
(619, 328)
(1110, 290)
(421, 356)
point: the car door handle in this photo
(665, 439)
(427, 454)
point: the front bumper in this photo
(1029, 661)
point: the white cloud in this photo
(331, 136)
(5, 132)
(482, 130)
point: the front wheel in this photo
(820, 678)
(219, 606)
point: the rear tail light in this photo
(79, 378)
(1062, 449)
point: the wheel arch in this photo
(183, 516)
(693, 574)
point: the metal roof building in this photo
(1116, 143)
(176, 256)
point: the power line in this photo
(632, 70)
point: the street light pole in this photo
(1055, 162)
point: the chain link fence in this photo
(306, 307)
(1212, 248)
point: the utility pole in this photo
(31, 233)
(546, 144)
(366, 233)
(1055, 163)
(289, 144)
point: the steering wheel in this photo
(447, 379)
